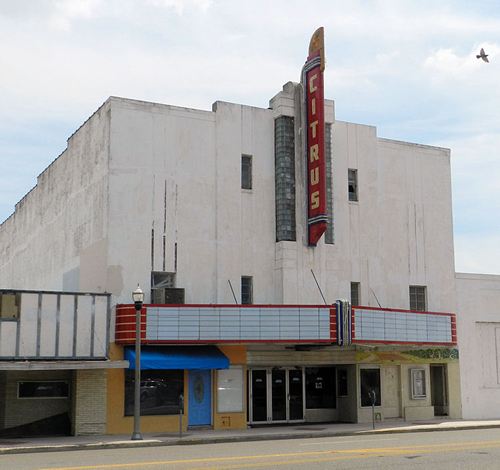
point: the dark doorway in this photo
(295, 394)
(279, 394)
(259, 395)
(439, 393)
(276, 395)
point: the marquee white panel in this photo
(237, 324)
(394, 326)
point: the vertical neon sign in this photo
(312, 79)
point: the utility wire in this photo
(319, 288)
(232, 291)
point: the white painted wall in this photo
(137, 167)
(177, 171)
(478, 324)
(57, 237)
(398, 234)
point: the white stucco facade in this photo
(148, 187)
(44, 242)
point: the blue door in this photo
(200, 398)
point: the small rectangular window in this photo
(355, 298)
(246, 172)
(10, 306)
(49, 389)
(418, 298)
(418, 390)
(370, 386)
(353, 184)
(246, 290)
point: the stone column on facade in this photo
(89, 402)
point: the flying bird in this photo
(482, 55)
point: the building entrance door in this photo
(439, 393)
(200, 398)
(258, 395)
(276, 395)
(296, 394)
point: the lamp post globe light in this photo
(138, 298)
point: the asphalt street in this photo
(464, 449)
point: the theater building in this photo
(296, 266)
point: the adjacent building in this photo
(478, 296)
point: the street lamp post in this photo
(138, 298)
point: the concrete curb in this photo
(230, 439)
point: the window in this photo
(342, 383)
(418, 298)
(230, 390)
(353, 184)
(320, 387)
(355, 293)
(418, 390)
(160, 391)
(48, 389)
(246, 172)
(246, 290)
(370, 383)
(10, 306)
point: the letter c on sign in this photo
(312, 86)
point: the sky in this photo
(407, 67)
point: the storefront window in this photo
(320, 387)
(230, 390)
(370, 383)
(418, 391)
(160, 391)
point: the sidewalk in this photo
(302, 430)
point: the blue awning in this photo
(178, 357)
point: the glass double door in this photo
(276, 395)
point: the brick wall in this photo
(89, 403)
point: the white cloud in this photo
(65, 12)
(476, 202)
(57, 14)
(477, 253)
(180, 5)
(446, 63)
